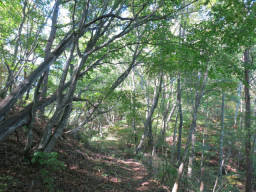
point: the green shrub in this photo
(167, 174)
(48, 163)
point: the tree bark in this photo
(247, 122)
(221, 160)
(103, 22)
(148, 121)
(239, 89)
(7, 103)
(180, 119)
(11, 77)
(49, 47)
(199, 95)
(167, 110)
(202, 169)
(59, 129)
(22, 118)
(133, 109)
(32, 118)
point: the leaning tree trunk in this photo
(49, 47)
(64, 106)
(61, 114)
(32, 121)
(7, 103)
(10, 124)
(59, 129)
(11, 76)
(60, 105)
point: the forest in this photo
(118, 95)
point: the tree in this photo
(86, 29)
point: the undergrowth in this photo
(48, 163)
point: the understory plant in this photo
(48, 163)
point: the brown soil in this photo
(85, 170)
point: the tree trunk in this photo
(11, 77)
(199, 95)
(60, 106)
(22, 118)
(32, 118)
(247, 122)
(180, 119)
(148, 121)
(64, 106)
(134, 109)
(202, 169)
(174, 139)
(239, 89)
(167, 110)
(49, 47)
(221, 160)
(59, 129)
(7, 103)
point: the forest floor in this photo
(103, 163)
(85, 169)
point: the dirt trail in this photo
(85, 171)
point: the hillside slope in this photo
(84, 170)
